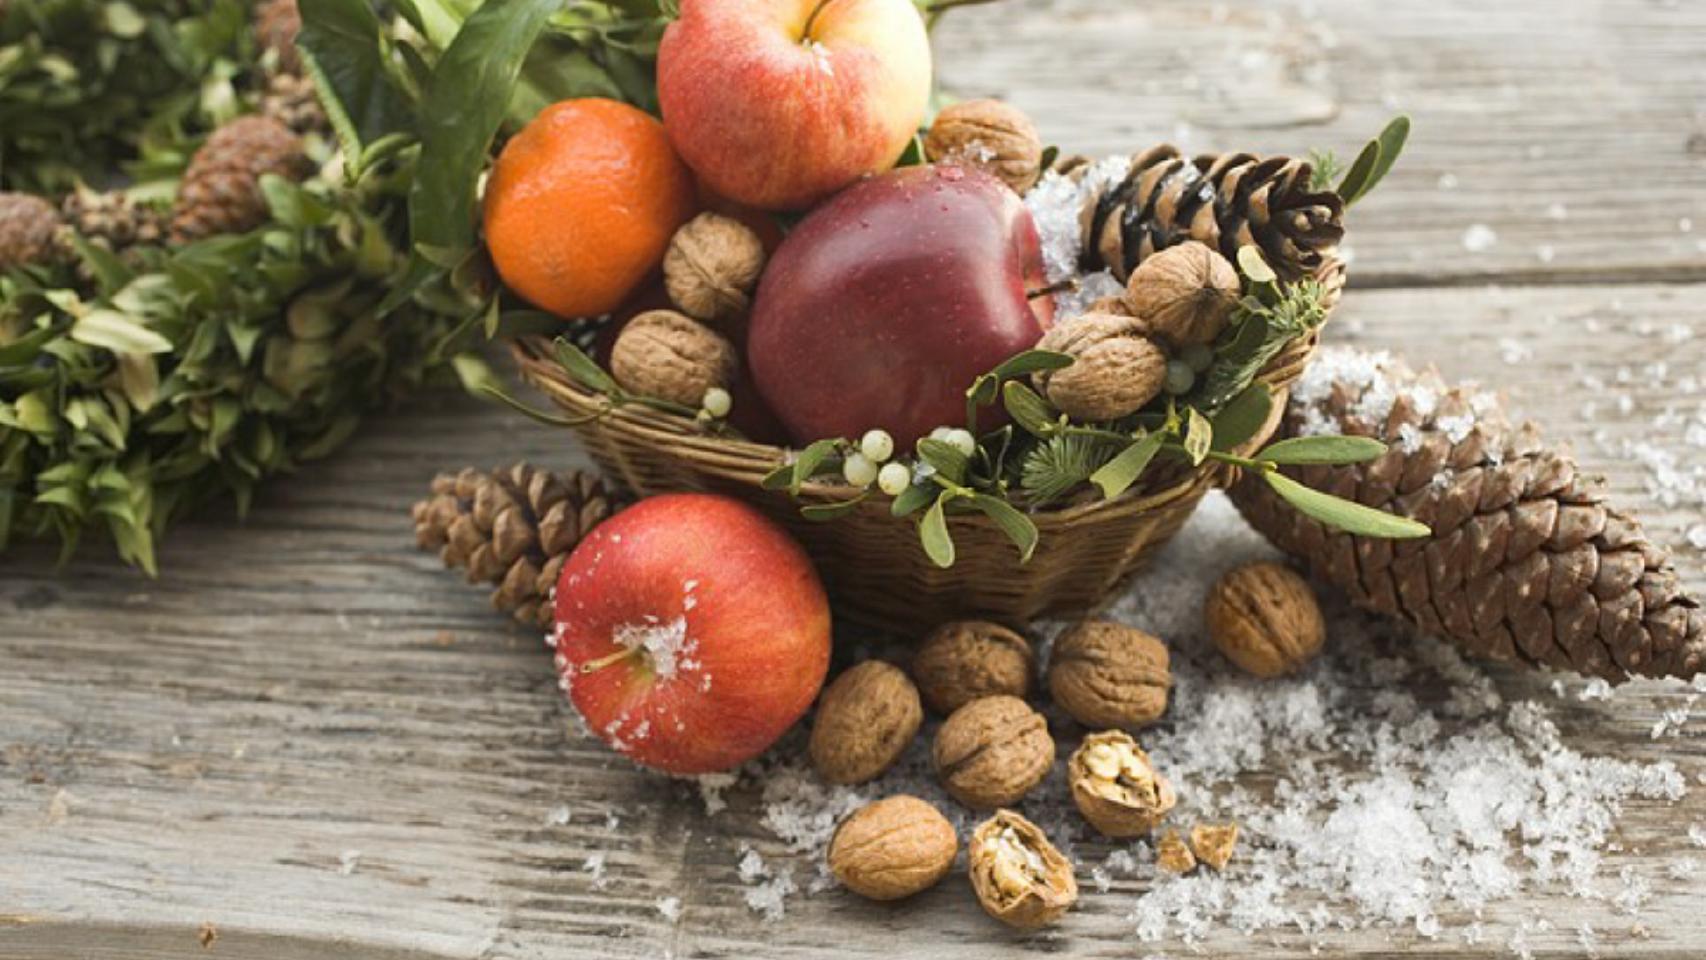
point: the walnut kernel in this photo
(892, 848)
(1020, 877)
(1115, 786)
(1106, 674)
(1186, 293)
(1172, 855)
(1213, 843)
(1116, 369)
(865, 719)
(1264, 618)
(990, 135)
(662, 354)
(992, 751)
(712, 264)
(967, 659)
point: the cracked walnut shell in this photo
(992, 751)
(892, 848)
(1115, 786)
(990, 135)
(1020, 878)
(1106, 674)
(1186, 293)
(711, 266)
(665, 355)
(1264, 618)
(1172, 855)
(967, 659)
(1116, 371)
(864, 722)
(1213, 843)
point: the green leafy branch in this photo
(1371, 165)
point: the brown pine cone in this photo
(1528, 562)
(512, 527)
(112, 219)
(291, 100)
(220, 192)
(1224, 200)
(29, 230)
(276, 25)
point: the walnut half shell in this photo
(1115, 786)
(1018, 875)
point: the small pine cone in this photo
(220, 192)
(1527, 563)
(276, 25)
(112, 219)
(29, 230)
(512, 528)
(1224, 200)
(291, 100)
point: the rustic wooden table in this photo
(308, 740)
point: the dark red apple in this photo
(691, 632)
(885, 303)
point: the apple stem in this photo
(806, 32)
(608, 659)
(1070, 283)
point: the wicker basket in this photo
(871, 560)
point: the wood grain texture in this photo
(309, 736)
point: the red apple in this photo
(778, 103)
(884, 304)
(691, 632)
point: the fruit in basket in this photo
(691, 632)
(779, 103)
(582, 203)
(1116, 368)
(885, 303)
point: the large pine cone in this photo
(276, 26)
(29, 228)
(512, 527)
(1527, 562)
(1226, 200)
(221, 192)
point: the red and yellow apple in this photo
(691, 632)
(779, 103)
(885, 303)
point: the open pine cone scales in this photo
(513, 528)
(1528, 561)
(1224, 200)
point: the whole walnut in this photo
(1020, 878)
(865, 719)
(1107, 674)
(967, 659)
(1117, 369)
(1186, 293)
(662, 354)
(992, 751)
(1264, 618)
(892, 848)
(990, 135)
(1115, 786)
(712, 264)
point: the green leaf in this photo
(117, 332)
(1326, 449)
(822, 512)
(933, 534)
(1353, 518)
(341, 44)
(948, 460)
(1012, 522)
(1028, 409)
(1031, 361)
(1241, 417)
(778, 479)
(913, 499)
(1199, 437)
(1115, 477)
(464, 106)
(809, 459)
(1382, 152)
(291, 205)
(582, 368)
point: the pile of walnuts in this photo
(994, 747)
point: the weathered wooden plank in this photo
(307, 735)
(1573, 130)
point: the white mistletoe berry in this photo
(894, 478)
(859, 470)
(877, 445)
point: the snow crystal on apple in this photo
(665, 643)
